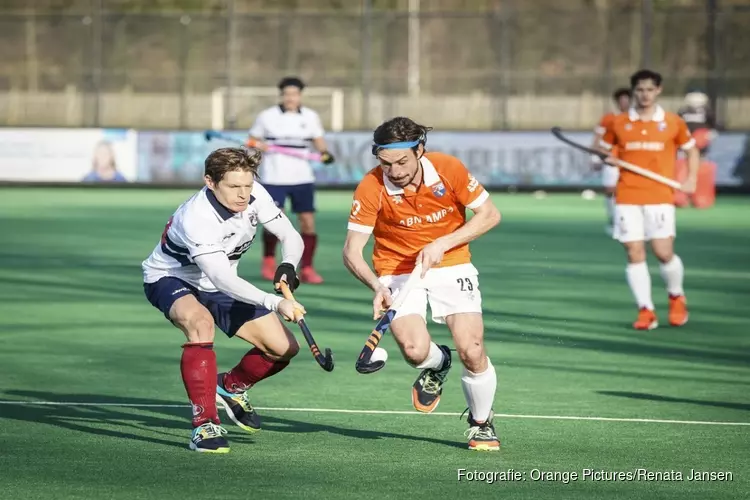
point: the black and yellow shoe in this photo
(482, 435)
(426, 391)
(238, 408)
(209, 438)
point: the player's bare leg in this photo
(309, 236)
(639, 281)
(274, 346)
(672, 271)
(198, 367)
(479, 380)
(421, 352)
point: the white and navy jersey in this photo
(201, 226)
(291, 129)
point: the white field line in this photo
(385, 412)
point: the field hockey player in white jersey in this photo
(191, 277)
(290, 125)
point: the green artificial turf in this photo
(75, 327)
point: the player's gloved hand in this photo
(381, 302)
(285, 272)
(253, 143)
(327, 158)
(291, 310)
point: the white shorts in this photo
(449, 290)
(610, 176)
(644, 222)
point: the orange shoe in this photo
(646, 320)
(268, 268)
(678, 312)
(308, 275)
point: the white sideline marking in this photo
(387, 412)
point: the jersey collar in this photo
(284, 110)
(659, 115)
(220, 209)
(429, 177)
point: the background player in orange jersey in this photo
(414, 203)
(648, 136)
(610, 174)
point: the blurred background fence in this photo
(453, 64)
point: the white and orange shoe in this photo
(678, 312)
(647, 320)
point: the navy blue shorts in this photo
(302, 195)
(229, 314)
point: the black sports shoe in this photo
(426, 391)
(238, 407)
(482, 435)
(209, 438)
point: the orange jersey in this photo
(405, 221)
(604, 123)
(652, 145)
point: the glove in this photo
(285, 272)
(326, 157)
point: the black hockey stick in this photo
(325, 360)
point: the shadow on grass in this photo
(668, 399)
(159, 422)
(625, 373)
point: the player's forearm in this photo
(216, 267)
(479, 224)
(292, 245)
(356, 264)
(595, 144)
(320, 144)
(693, 161)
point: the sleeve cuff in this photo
(271, 301)
(479, 201)
(605, 145)
(360, 228)
(206, 252)
(688, 145)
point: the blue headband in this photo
(398, 145)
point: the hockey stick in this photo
(305, 155)
(364, 364)
(324, 360)
(557, 132)
(298, 153)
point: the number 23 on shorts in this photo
(465, 284)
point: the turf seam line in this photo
(386, 412)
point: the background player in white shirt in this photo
(610, 173)
(191, 277)
(293, 126)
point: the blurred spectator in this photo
(103, 165)
(697, 113)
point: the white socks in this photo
(639, 280)
(672, 272)
(434, 359)
(640, 284)
(479, 390)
